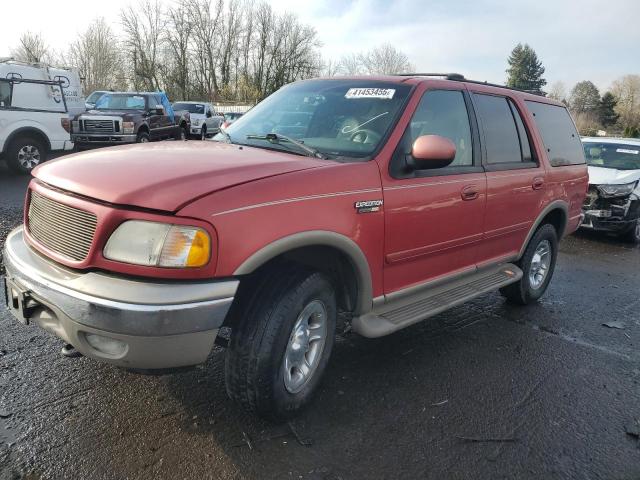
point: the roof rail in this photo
(457, 77)
(449, 76)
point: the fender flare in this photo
(18, 131)
(315, 238)
(555, 205)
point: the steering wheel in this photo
(365, 135)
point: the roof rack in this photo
(457, 77)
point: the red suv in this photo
(373, 201)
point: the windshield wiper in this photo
(278, 137)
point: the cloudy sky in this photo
(575, 39)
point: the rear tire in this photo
(633, 234)
(24, 154)
(288, 323)
(537, 264)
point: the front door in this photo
(434, 218)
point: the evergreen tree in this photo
(525, 70)
(584, 98)
(606, 111)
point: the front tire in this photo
(25, 153)
(203, 132)
(281, 343)
(633, 234)
(537, 264)
(143, 137)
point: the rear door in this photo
(434, 218)
(515, 176)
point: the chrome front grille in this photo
(98, 126)
(65, 230)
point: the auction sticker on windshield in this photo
(387, 93)
(625, 150)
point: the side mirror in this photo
(209, 114)
(159, 110)
(432, 151)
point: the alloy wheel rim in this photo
(638, 229)
(29, 156)
(305, 346)
(540, 264)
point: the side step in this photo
(405, 311)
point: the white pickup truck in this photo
(34, 113)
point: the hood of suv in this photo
(167, 175)
(611, 176)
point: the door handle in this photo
(470, 192)
(538, 183)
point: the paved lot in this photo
(484, 391)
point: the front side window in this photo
(618, 156)
(559, 134)
(5, 94)
(443, 113)
(338, 118)
(501, 138)
(121, 102)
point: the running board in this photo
(397, 314)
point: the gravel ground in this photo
(486, 390)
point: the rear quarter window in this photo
(559, 134)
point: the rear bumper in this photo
(97, 139)
(140, 323)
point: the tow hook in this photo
(70, 351)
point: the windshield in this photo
(189, 107)
(338, 118)
(121, 101)
(612, 155)
(94, 97)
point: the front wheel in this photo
(633, 234)
(537, 264)
(281, 344)
(203, 132)
(143, 137)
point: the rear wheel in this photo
(281, 343)
(25, 153)
(633, 234)
(537, 264)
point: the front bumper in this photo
(610, 214)
(154, 324)
(100, 139)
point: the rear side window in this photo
(559, 134)
(501, 137)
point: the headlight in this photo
(128, 127)
(617, 190)
(159, 245)
(196, 122)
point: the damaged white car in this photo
(613, 200)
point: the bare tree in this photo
(350, 64)
(32, 48)
(97, 57)
(178, 36)
(385, 59)
(143, 31)
(558, 91)
(627, 93)
(205, 18)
